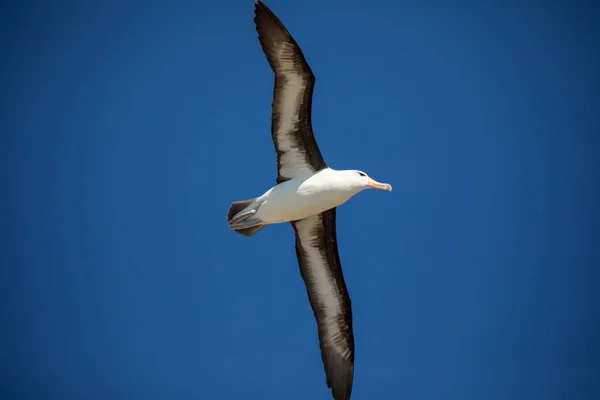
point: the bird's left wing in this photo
(291, 125)
(316, 248)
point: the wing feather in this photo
(316, 248)
(291, 125)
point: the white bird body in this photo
(307, 195)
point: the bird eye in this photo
(361, 173)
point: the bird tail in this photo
(241, 219)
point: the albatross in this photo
(306, 194)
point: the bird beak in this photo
(381, 186)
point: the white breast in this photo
(303, 196)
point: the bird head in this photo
(360, 180)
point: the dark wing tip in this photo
(340, 375)
(267, 22)
(272, 34)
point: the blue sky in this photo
(128, 129)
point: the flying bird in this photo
(306, 194)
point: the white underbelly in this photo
(289, 203)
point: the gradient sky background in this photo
(129, 127)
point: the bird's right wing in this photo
(291, 125)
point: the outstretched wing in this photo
(316, 248)
(291, 126)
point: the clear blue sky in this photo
(128, 129)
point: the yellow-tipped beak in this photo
(381, 186)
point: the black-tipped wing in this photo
(316, 248)
(291, 126)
